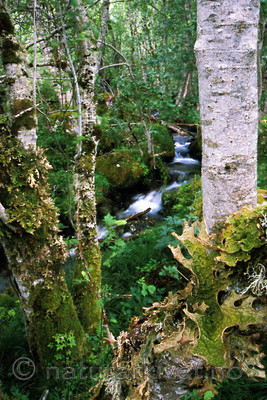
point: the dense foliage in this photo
(147, 81)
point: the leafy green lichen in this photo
(242, 233)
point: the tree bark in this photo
(87, 293)
(29, 232)
(226, 51)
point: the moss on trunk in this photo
(88, 271)
(29, 230)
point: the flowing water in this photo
(182, 168)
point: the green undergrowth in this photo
(63, 377)
(13, 341)
(236, 388)
(138, 272)
(184, 199)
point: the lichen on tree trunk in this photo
(226, 51)
(30, 236)
(87, 292)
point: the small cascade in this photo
(182, 169)
(152, 200)
(102, 232)
(181, 144)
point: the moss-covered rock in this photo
(123, 169)
(195, 147)
(184, 199)
(163, 142)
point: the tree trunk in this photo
(226, 51)
(103, 32)
(87, 293)
(29, 232)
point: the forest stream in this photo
(182, 169)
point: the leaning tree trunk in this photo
(226, 51)
(28, 219)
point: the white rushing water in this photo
(180, 168)
(142, 202)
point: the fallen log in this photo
(137, 215)
(177, 129)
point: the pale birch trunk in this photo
(29, 232)
(226, 51)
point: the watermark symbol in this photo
(23, 368)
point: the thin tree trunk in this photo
(183, 90)
(226, 51)
(87, 293)
(103, 32)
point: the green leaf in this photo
(109, 220)
(208, 395)
(120, 222)
(85, 276)
(151, 289)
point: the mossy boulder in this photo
(122, 169)
(195, 147)
(163, 142)
(184, 199)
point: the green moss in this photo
(54, 313)
(3, 119)
(162, 171)
(122, 169)
(87, 286)
(242, 233)
(34, 241)
(236, 242)
(163, 142)
(10, 53)
(5, 22)
(185, 199)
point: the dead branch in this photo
(137, 215)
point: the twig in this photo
(114, 65)
(137, 215)
(44, 38)
(25, 111)
(122, 56)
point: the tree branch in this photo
(120, 54)
(25, 111)
(114, 65)
(44, 38)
